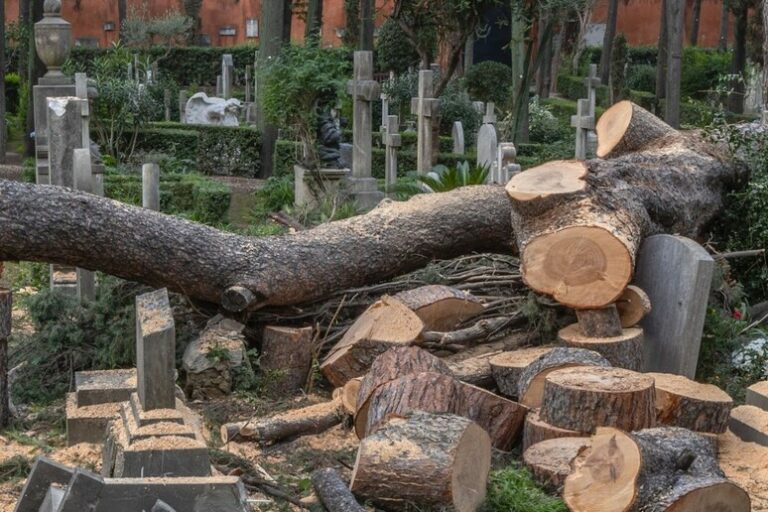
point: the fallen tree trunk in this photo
(57, 225)
(333, 491)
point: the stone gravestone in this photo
(65, 134)
(385, 103)
(457, 134)
(592, 81)
(150, 186)
(490, 113)
(83, 176)
(248, 72)
(227, 75)
(424, 107)
(488, 143)
(183, 106)
(155, 351)
(83, 92)
(479, 107)
(583, 122)
(676, 273)
(364, 90)
(505, 166)
(392, 141)
(167, 104)
(219, 90)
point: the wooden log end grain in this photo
(627, 127)
(600, 322)
(537, 189)
(633, 305)
(550, 460)
(503, 419)
(385, 324)
(589, 397)
(425, 459)
(682, 402)
(623, 351)
(535, 431)
(507, 367)
(440, 307)
(348, 395)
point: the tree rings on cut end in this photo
(560, 177)
(612, 126)
(550, 460)
(633, 305)
(584, 267)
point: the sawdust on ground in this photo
(747, 465)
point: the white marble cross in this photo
(364, 90)
(583, 122)
(425, 107)
(592, 82)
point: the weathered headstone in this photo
(479, 107)
(385, 103)
(490, 113)
(364, 90)
(583, 122)
(457, 134)
(150, 186)
(219, 90)
(248, 71)
(392, 141)
(487, 147)
(44, 473)
(676, 273)
(155, 351)
(227, 75)
(183, 105)
(83, 175)
(167, 103)
(505, 166)
(65, 133)
(424, 107)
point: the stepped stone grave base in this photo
(96, 401)
(757, 395)
(365, 192)
(307, 190)
(750, 424)
(64, 279)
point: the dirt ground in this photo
(747, 465)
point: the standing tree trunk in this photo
(313, 30)
(765, 55)
(675, 12)
(367, 15)
(122, 13)
(6, 308)
(287, 19)
(351, 36)
(610, 33)
(519, 68)
(3, 130)
(661, 58)
(736, 98)
(585, 18)
(695, 23)
(722, 44)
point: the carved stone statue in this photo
(329, 143)
(212, 111)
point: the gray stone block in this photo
(88, 424)
(211, 494)
(757, 395)
(83, 492)
(52, 500)
(100, 387)
(749, 423)
(144, 418)
(40, 93)
(162, 457)
(676, 273)
(161, 506)
(44, 473)
(155, 350)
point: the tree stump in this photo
(633, 305)
(392, 364)
(425, 459)
(654, 470)
(425, 391)
(502, 419)
(530, 388)
(585, 398)
(682, 402)
(540, 188)
(535, 431)
(626, 127)
(287, 352)
(387, 323)
(508, 366)
(600, 322)
(550, 460)
(441, 308)
(623, 351)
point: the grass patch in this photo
(513, 490)
(16, 468)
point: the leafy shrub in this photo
(573, 88)
(393, 50)
(543, 126)
(618, 66)
(455, 105)
(646, 100)
(443, 179)
(277, 193)
(400, 91)
(642, 77)
(702, 69)
(12, 92)
(489, 81)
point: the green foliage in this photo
(12, 92)
(643, 98)
(443, 179)
(15, 468)
(641, 77)
(490, 81)
(393, 50)
(142, 30)
(543, 126)
(513, 490)
(702, 70)
(299, 85)
(618, 67)
(400, 91)
(455, 105)
(573, 88)
(277, 193)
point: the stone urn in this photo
(53, 39)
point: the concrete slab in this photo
(750, 423)
(88, 424)
(145, 418)
(83, 492)
(157, 429)
(99, 387)
(53, 499)
(44, 473)
(757, 395)
(162, 457)
(155, 350)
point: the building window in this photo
(109, 26)
(228, 31)
(88, 42)
(251, 27)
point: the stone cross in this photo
(155, 351)
(592, 81)
(490, 113)
(219, 91)
(248, 71)
(424, 107)
(385, 103)
(81, 91)
(150, 186)
(505, 163)
(457, 134)
(167, 103)
(183, 105)
(227, 75)
(392, 141)
(583, 122)
(364, 89)
(676, 273)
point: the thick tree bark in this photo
(334, 492)
(610, 34)
(681, 402)
(56, 225)
(507, 367)
(537, 430)
(675, 17)
(739, 64)
(550, 460)
(661, 58)
(440, 307)
(725, 14)
(502, 419)
(276, 16)
(600, 322)
(633, 305)
(3, 127)
(286, 353)
(6, 311)
(367, 26)
(624, 350)
(695, 23)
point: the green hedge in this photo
(645, 99)
(189, 195)
(564, 108)
(572, 87)
(409, 141)
(12, 90)
(218, 150)
(190, 65)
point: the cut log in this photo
(441, 308)
(623, 351)
(585, 398)
(483, 329)
(550, 461)
(654, 470)
(540, 188)
(313, 419)
(503, 419)
(394, 363)
(682, 402)
(599, 323)
(160, 250)
(626, 127)
(633, 305)
(425, 459)
(286, 353)
(508, 366)
(387, 323)
(334, 492)
(426, 391)
(349, 394)
(530, 388)
(535, 431)
(582, 249)
(473, 364)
